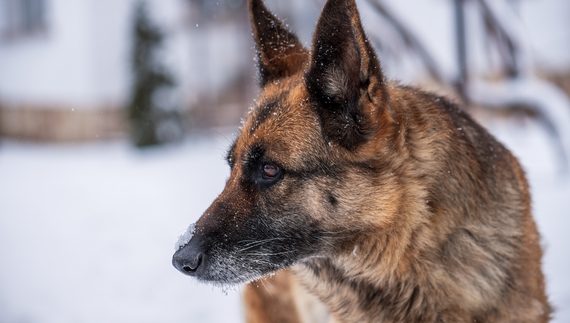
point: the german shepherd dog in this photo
(384, 202)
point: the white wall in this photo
(51, 68)
(109, 50)
(82, 61)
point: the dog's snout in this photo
(188, 260)
(187, 266)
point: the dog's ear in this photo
(344, 75)
(279, 51)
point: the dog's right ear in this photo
(279, 52)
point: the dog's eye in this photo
(270, 171)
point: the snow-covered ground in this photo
(87, 231)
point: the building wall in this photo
(81, 65)
(50, 68)
(65, 82)
(59, 124)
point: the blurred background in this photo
(115, 116)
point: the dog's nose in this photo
(187, 260)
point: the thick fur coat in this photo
(372, 201)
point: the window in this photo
(20, 18)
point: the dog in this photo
(366, 200)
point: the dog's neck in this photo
(354, 298)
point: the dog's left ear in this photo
(279, 52)
(345, 76)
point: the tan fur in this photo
(400, 207)
(265, 300)
(391, 205)
(281, 298)
(405, 252)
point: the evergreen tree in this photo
(149, 77)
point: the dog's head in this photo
(304, 157)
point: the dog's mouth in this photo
(225, 267)
(223, 273)
(221, 252)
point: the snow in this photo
(184, 238)
(86, 230)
